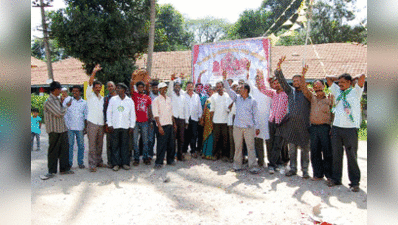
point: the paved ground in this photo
(197, 192)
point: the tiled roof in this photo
(334, 59)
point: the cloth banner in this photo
(231, 56)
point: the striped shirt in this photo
(278, 106)
(54, 115)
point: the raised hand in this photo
(97, 68)
(173, 76)
(278, 67)
(248, 65)
(200, 76)
(224, 74)
(304, 71)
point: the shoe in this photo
(67, 172)
(126, 167)
(331, 183)
(225, 159)
(82, 166)
(254, 171)
(271, 170)
(157, 166)
(136, 163)
(147, 162)
(93, 169)
(290, 173)
(306, 175)
(116, 168)
(171, 164)
(316, 178)
(354, 188)
(101, 165)
(235, 170)
(110, 166)
(47, 176)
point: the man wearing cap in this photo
(57, 133)
(153, 130)
(162, 112)
(121, 120)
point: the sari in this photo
(208, 138)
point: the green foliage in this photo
(170, 34)
(208, 29)
(38, 50)
(363, 131)
(37, 102)
(106, 32)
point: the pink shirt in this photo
(161, 107)
(279, 104)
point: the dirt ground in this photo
(192, 192)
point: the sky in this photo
(223, 9)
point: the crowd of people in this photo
(229, 121)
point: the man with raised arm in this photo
(295, 131)
(163, 114)
(278, 112)
(320, 118)
(347, 120)
(180, 113)
(246, 126)
(95, 121)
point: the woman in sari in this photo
(208, 127)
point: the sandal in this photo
(67, 172)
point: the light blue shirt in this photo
(246, 109)
(76, 113)
(35, 124)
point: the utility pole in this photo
(45, 35)
(151, 37)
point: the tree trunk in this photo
(151, 38)
(46, 45)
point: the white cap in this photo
(234, 83)
(64, 89)
(162, 85)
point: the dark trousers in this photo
(220, 144)
(191, 135)
(347, 137)
(259, 146)
(179, 136)
(321, 150)
(165, 144)
(108, 148)
(58, 149)
(231, 142)
(120, 147)
(275, 144)
(200, 137)
(153, 132)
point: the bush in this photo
(38, 102)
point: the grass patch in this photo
(363, 131)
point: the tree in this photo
(38, 50)
(251, 23)
(106, 32)
(208, 29)
(171, 35)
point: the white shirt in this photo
(341, 118)
(231, 114)
(194, 107)
(219, 105)
(178, 102)
(121, 113)
(263, 110)
(76, 113)
(95, 107)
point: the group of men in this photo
(132, 117)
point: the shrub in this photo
(38, 102)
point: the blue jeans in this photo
(80, 146)
(153, 131)
(141, 129)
